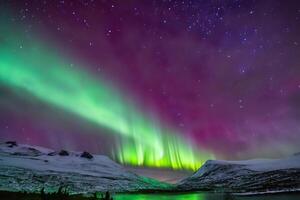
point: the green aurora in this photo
(40, 70)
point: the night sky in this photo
(220, 76)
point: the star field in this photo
(225, 74)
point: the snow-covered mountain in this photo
(259, 175)
(30, 168)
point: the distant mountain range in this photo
(31, 168)
(249, 176)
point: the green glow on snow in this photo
(40, 70)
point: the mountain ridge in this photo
(257, 175)
(31, 168)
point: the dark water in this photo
(205, 196)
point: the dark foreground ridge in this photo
(61, 194)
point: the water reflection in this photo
(160, 197)
(205, 196)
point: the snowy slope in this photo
(259, 175)
(29, 168)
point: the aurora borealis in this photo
(80, 93)
(152, 83)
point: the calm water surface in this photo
(205, 196)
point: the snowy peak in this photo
(254, 165)
(30, 168)
(258, 175)
(47, 159)
(12, 148)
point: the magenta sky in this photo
(224, 73)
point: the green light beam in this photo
(40, 70)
